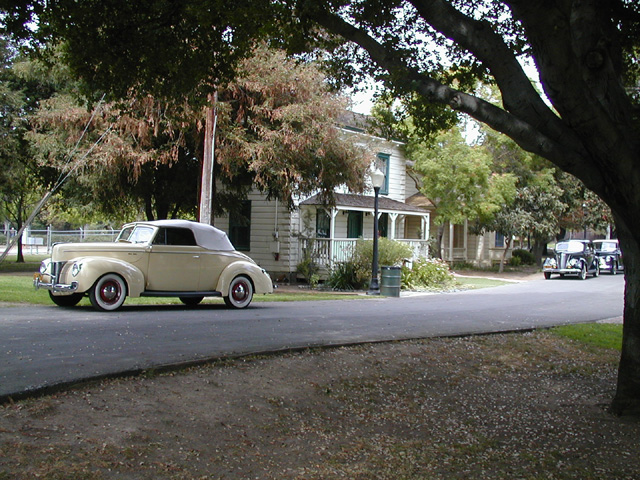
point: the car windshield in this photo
(570, 247)
(607, 246)
(136, 234)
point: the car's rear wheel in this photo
(547, 275)
(66, 300)
(614, 268)
(191, 301)
(108, 293)
(240, 292)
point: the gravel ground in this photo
(513, 406)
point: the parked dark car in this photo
(609, 255)
(572, 258)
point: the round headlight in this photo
(44, 266)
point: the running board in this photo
(155, 293)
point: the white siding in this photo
(264, 245)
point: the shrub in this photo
(345, 276)
(515, 261)
(307, 267)
(390, 253)
(427, 274)
(525, 256)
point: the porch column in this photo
(466, 237)
(332, 234)
(426, 227)
(451, 242)
(392, 233)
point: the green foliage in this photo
(515, 261)
(356, 273)
(603, 335)
(427, 274)
(525, 257)
(458, 179)
(390, 253)
(346, 276)
(308, 269)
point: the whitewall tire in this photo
(108, 293)
(240, 292)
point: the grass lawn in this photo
(603, 335)
(475, 282)
(19, 289)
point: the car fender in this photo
(91, 269)
(259, 277)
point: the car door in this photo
(174, 261)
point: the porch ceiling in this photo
(348, 201)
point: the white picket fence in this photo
(41, 241)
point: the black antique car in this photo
(609, 255)
(572, 257)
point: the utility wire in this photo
(61, 179)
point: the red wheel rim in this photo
(110, 292)
(240, 291)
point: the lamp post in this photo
(377, 180)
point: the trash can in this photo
(390, 281)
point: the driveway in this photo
(44, 347)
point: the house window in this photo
(458, 236)
(382, 163)
(499, 240)
(323, 224)
(240, 227)
(354, 224)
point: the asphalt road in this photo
(44, 347)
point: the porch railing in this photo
(455, 254)
(329, 251)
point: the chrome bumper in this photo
(53, 287)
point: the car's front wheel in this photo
(66, 300)
(108, 293)
(240, 292)
(583, 272)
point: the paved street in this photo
(45, 346)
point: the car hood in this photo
(67, 251)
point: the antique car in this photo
(165, 258)
(572, 258)
(609, 255)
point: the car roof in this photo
(576, 240)
(207, 236)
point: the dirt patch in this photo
(517, 406)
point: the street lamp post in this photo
(377, 180)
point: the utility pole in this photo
(207, 183)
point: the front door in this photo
(174, 261)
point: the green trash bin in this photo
(390, 281)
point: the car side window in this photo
(174, 236)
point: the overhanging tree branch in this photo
(526, 135)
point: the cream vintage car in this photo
(165, 258)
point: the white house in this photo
(278, 238)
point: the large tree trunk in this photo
(627, 398)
